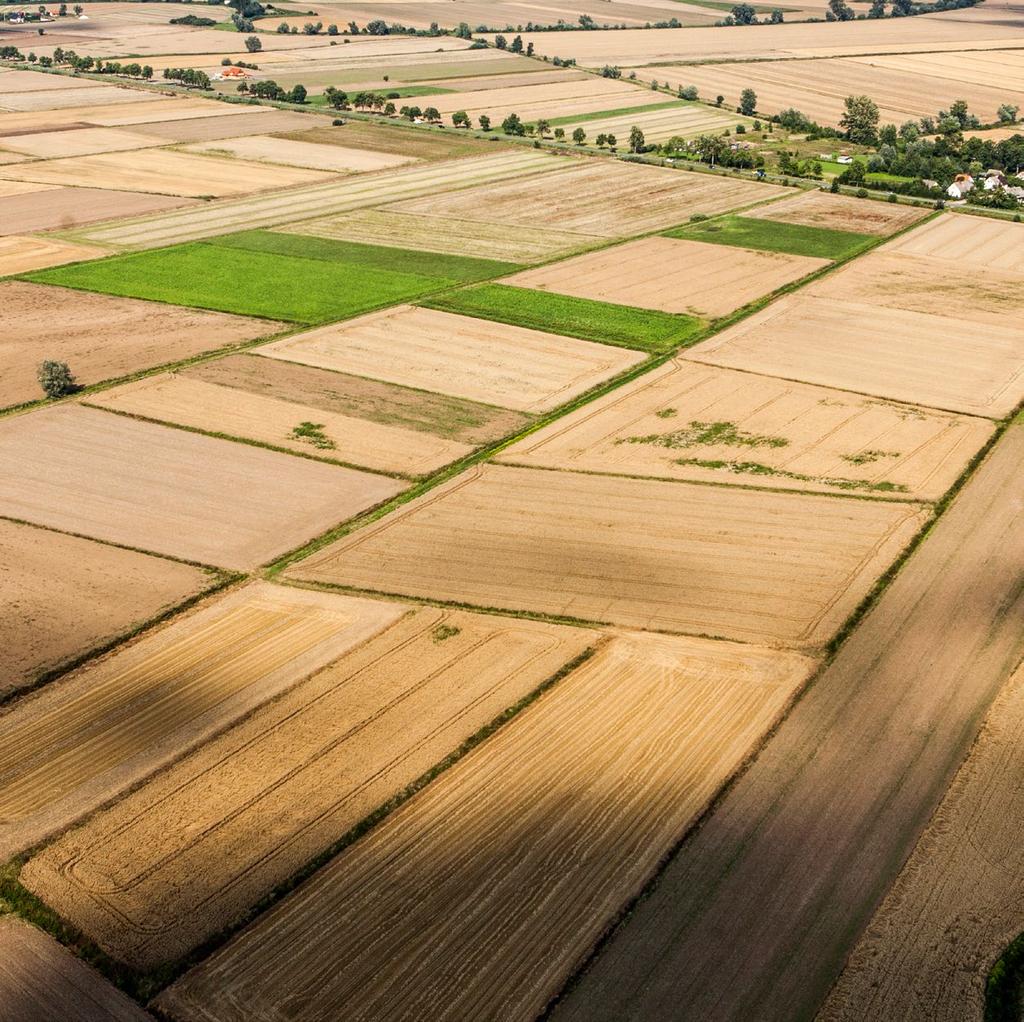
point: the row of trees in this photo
(189, 76)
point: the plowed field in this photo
(972, 244)
(840, 213)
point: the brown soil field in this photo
(840, 213)
(276, 151)
(78, 142)
(42, 982)
(757, 913)
(65, 596)
(938, 361)
(439, 233)
(671, 275)
(170, 491)
(452, 418)
(398, 139)
(975, 244)
(509, 366)
(75, 743)
(689, 421)
(637, 553)
(185, 401)
(320, 200)
(958, 902)
(478, 897)
(205, 129)
(8, 188)
(283, 786)
(101, 337)
(623, 199)
(19, 254)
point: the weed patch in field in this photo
(705, 433)
(755, 468)
(774, 236)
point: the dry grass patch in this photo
(840, 213)
(972, 244)
(19, 254)
(266, 149)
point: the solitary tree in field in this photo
(748, 102)
(636, 139)
(579, 136)
(860, 119)
(460, 119)
(253, 43)
(485, 122)
(55, 378)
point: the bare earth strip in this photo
(101, 336)
(959, 901)
(278, 789)
(689, 421)
(75, 743)
(302, 154)
(169, 491)
(969, 242)
(64, 596)
(658, 555)
(190, 402)
(671, 275)
(755, 916)
(19, 254)
(840, 213)
(511, 366)
(476, 899)
(938, 361)
(42, 982)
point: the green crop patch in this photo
(619, 325)
(622, 111)
(775, 236)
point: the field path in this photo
(754, 917)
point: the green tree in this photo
(517, 45)
(744, 14)
(336, 98)
(688, 92)
(512, 125)
(579, 136)
(877, 9)
(559, 134)
(601, 141)
(1007, 113)
(253, 43)
(777, 16)
(840, 10)
(501, 42)
(709, 148)
(612, 141)
(485, 122)
(543, 127)
(460, 119)
(55, 378)
(636, 139)
(748, 102)
(297, 94)
(860, 120)
(432, 114)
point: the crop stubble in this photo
(840, 213)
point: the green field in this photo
(775, 236)
(620, 325)
(622, 111)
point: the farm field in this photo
(19, 254)
(670, 275)
(169, 491)
(839, 213)
(46, 145)
(967, 242)
(62, 99)
(278, 789)
(509, 366)
(681, 120)
(100, 336)
(956, 905)
(635, 553)
(113, 722)
(277, 151)
(206, 129)
(692, 422)
(758, 911)
(489, 921)
(65, 596)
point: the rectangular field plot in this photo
(690, 421)
(265, 149)
(66, 596)
(185, 401)
(840, 213)
(100, 336)
(938, 361)
(658, 555)
(49, 145)
(97, 731)
(680, 120)
(205, 129)
(478, 897)
(669, 275)
(170, 491)
(510, 366)
(269, 795)
(971, 243)
(19, 254)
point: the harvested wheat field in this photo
(622, 199)
(100, 336)
(78, 142)
(690, 421)
(14, 82)
(265, 149)
(972, 243)
(185, 401)
(658, 555)
(68, 208)
(42, 982)
(63, 99)
(907, 356)
(170, 491)
(755, 916)
(19, 254)
(78, 741)
(438, 233)
(683, 121)
(840, 213)
(477, 898)
(206, 129)
(284, 785)
(65, 596)
(671, 275)
(511, 366)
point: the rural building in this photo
(231, 74)
(963, 184)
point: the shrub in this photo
(861, 193)
(55, 378)
(892, 197)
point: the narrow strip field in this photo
(774, 236)
(477, 898)
(840, 213)
(967, 242)
(266, 149)
(18, 254)
(757, 913)
(77, 742)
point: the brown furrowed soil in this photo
(402, 407)
(42, 982)
(511, 366)
(757, 913)
(189, 402)
(973, 244)
(64, 596)
(938, 361)
(77, 742)
(840, 213)
(478, 897)
(266, 149)
(690, 421)
(283, 786)
(19, 254)
(671, 275)
(657, 555)
(959, 901)
(102, 337)
(170, 491)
